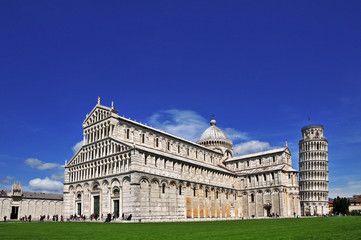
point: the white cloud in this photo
(183, 123)
(7, 179)
(77, 146)
(250, 147)
(32, 162)
(46, 185)
(234, 134)
(57, 176)
(36, 163)
(348, 190)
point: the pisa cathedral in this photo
(132, 168)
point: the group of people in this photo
(273, 215)
(78, 217)
(126, 217)
(25, 218)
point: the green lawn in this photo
(307, 228)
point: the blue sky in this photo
(261, 67)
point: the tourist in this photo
(29, 218)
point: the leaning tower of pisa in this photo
(313, 166)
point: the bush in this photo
(355, 212)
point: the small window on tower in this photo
(143, 138)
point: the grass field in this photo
(305, 228)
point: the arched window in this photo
(168, 146)
(178, 149)
(252, 197)
(217, 193)
(180, 190)
(163, 188)
(156, 142)
(78, 196)
(194, 191)
(260, 161)
(127, 133)
(116, 192)
(187, 151)
(206, 193)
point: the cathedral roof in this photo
(213, 133)
(252, 155)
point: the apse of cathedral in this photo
(125, 167)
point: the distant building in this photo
(313, 167)
(15, 204)
(126, 167)
(355, 203)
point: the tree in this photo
(340, 205)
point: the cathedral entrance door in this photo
(14, 213)
(79, 208)
(116, 208)
(268, 211)
(96, 205)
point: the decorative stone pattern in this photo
(313, 165)
(125, 167)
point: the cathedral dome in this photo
(213, 133)
(216, 139)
